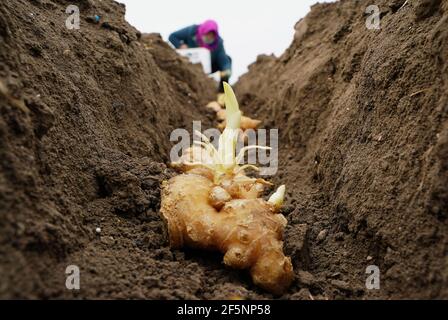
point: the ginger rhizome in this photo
(213, 205)
(246, 123)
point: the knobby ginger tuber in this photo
(248, 231)
(215, 106)
(213, 205)
(246, 123)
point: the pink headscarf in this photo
(204, 28)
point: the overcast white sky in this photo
(248, 27)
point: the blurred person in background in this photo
(205, 35)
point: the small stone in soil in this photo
(305, 278)
(303, 294)
(322, 235)
(342, 285)
(339, 236)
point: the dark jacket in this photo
(220, 60)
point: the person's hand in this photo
(215, 76)
(183, 46)
(225, 73)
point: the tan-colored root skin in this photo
(246, 229)
(246, 123)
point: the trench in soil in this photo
(85, 126)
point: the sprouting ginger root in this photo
(248, 231)
(215, 106)
(246, 124)
(213, 205)
(221, 115)
(193, 157)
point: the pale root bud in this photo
(278, 197)
(218, 197)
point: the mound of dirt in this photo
(86, 117)
(363, 118)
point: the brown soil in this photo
(363, 118)
(84, 142)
